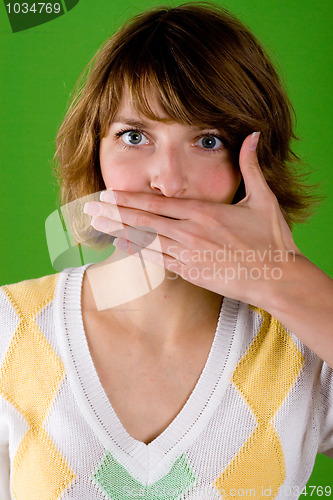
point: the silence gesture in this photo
(244, 251)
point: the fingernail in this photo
(117, 242)
(254, 141)
(108, 196)
(92, 208)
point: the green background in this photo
(39, 68)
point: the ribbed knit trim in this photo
(152, 460)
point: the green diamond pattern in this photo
(118, 484)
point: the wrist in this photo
(302, 287)
(288, 281)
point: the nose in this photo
(167, 172)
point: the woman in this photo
(214, 378)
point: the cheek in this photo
(117, 178)
(220, 184)
(116, 172)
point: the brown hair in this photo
(207, 69)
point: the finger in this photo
(134, 218)
(141, 236)
(105, 225)
(174, 208)
(168, 248)
(254, 180)
(156, 257)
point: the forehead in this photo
(128, 113)
(128, 109)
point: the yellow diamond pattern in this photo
(30, 377)
(264, 377)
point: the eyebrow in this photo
(131, 121)
(137, 124)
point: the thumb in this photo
(253, 177)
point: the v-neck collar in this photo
(143, 460)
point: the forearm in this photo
(302, 300)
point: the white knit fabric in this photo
(227, 432)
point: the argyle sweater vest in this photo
(260, 411)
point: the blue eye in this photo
(210, 142)
(134, 138)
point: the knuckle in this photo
(203, 212)
(106, 210)
(202, 208)
(189, 238)
(131, 233)
(153, 205)
(274, 200)
(146, 239)
(254, 164)
(195, 205)
(269, 198)
(141, 220)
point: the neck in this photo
(146, 299)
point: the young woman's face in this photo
(170, 159)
